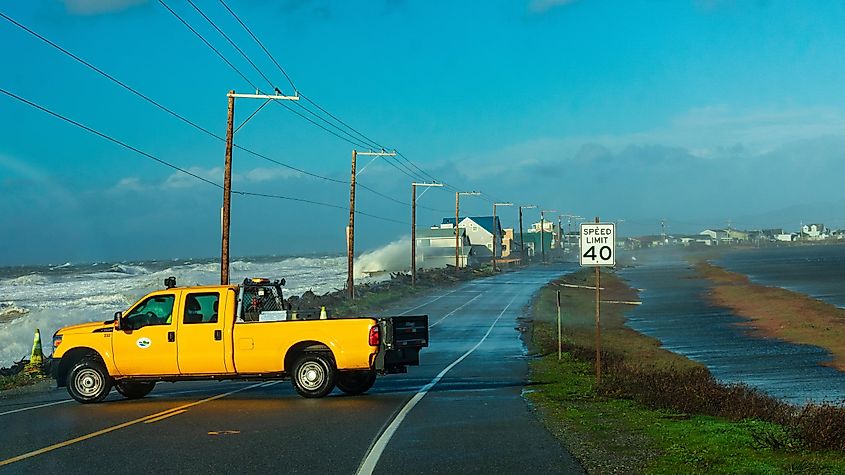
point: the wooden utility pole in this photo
(414, 227)
(521, 238)
(496, 232)
(413, 234)
(543, 236)
(350, 233)
(227, 191)
(457, 233)
(350, 230)
(227, 174)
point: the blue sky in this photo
(697, 112)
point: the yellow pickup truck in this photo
(246, 331)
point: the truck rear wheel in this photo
(134, 390)
(88, 381)
(314, 375)
(356, 382)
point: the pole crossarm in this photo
(378, 154)
(274, 97)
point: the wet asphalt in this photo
(473, 420)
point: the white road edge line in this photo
(453, 311)
(15, 411)
(430, 301)
(369, 463)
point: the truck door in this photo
(146, 343)
(202, 339)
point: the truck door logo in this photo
(143, 343)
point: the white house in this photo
(814, 232)
(436, 247)
(480, 231)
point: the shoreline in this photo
(775, 312)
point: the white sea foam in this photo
(29, 279)
(78, 296)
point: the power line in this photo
(171, 165)
(224, 35)
(368, 142)
(290, 81)
(195, 32)
(110, 139)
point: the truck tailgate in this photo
(402, 337)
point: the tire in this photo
(89, 381)
(356, 382)
(314, 375)
(134, 390)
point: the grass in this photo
(779, 313)
(620, 426)
(21, 379)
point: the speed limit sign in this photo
(598, 244)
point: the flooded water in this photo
(675, 311)
(818, 271)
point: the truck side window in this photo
(201, 308)
(155, 310)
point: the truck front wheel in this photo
(132, 390)
(313, 375)
(88, 381)
(356, 382)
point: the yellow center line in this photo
(158, 415)
(171, 414)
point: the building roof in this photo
(429, 233)
(485, 222)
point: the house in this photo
(436, 248)
(483, 232)
(785, 237)
(507, 243)
(814, 232)
(533, 240)
(717, 236)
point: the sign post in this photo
(598, 249)
(559, 339)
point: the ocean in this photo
(50, 297)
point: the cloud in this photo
(127, 184)
(179, 180)
(543, 6)
(261, 174)
(98, 7)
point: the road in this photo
(461, 411)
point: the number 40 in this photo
(604, 253)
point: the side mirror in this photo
(282, 282)
(118, 317)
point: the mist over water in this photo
(393, 257)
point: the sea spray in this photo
(393, 257)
